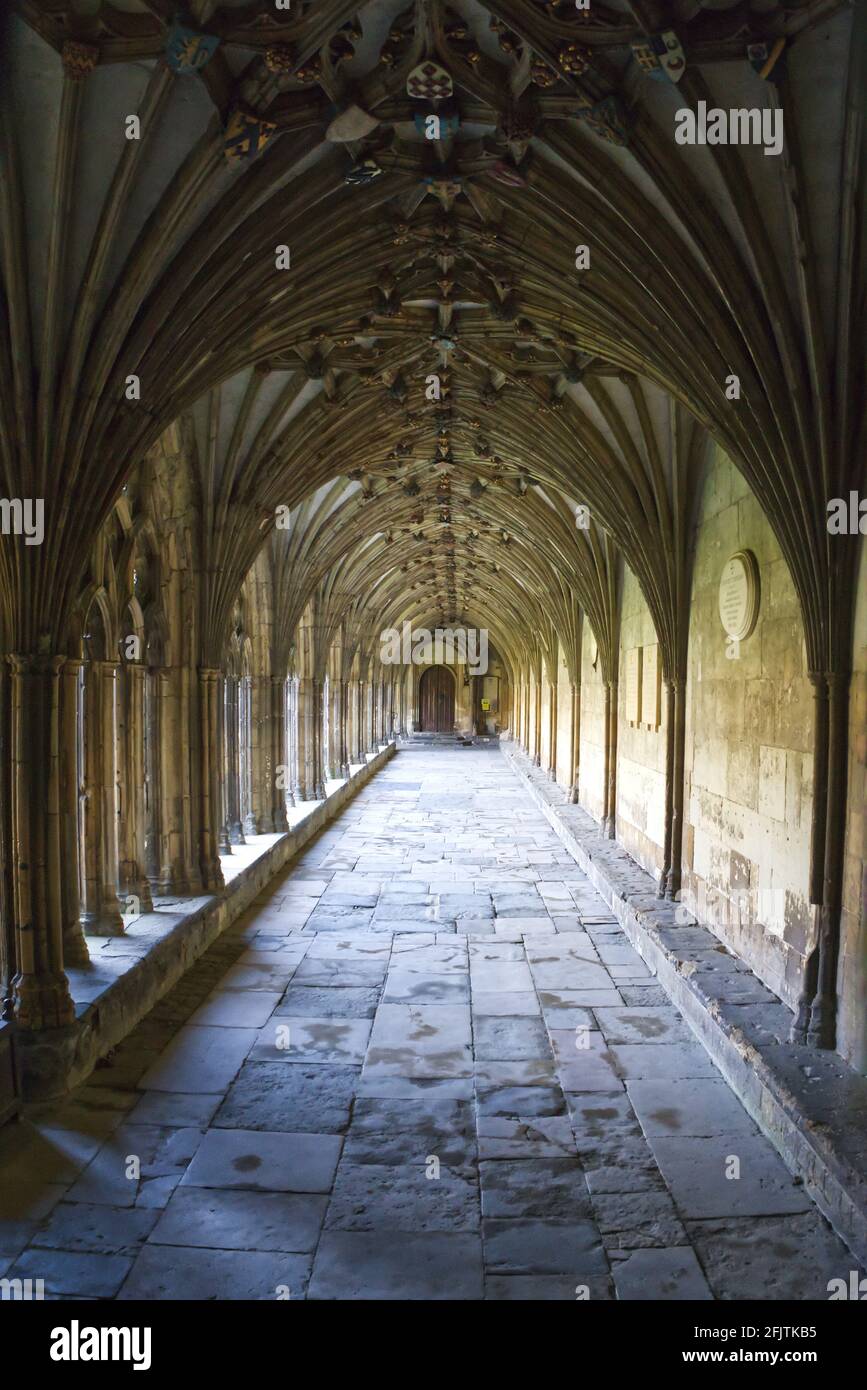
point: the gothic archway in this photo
(436, 700)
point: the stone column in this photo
(234, 829)
(224, 721)
(131, 710)
(40, 989)
(153, 806)
(296, 761)
(75, 952)
(376, 715)
(292, 739)
(305, 739)
(342, 727)
(822, 1031)
(209, 788)
(369, 708)
(278, 754)
(246, 755)
(537, 727)
(552, 726)
(352, 720)
(317, 731)
(359, 721)
(575, 754)
(330, 753)
(261, 765)
(610, 822)
(101, 915)
(172, 868)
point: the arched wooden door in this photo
(436, 700)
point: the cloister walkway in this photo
(427, 1064)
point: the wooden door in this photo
(436, 699)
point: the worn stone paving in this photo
(427, 1065)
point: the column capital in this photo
(35, 664)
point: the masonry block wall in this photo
(564, 753)
(748, 761)
(591, 785)
(852, 1037)
(748, 747)
(640, 742)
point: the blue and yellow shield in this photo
(187, 50)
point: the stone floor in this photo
(427, 1065)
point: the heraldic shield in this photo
(429, 82)
(187, 50)
(246, 134)
(671, 56)
(646, 58)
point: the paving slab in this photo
(265, 1161)
(429, 1266)
(665, 1275)
(222, 1219)
(194, 1274)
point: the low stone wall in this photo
(811, 1104)
(52, 1061)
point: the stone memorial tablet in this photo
(739, 595)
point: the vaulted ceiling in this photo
(438, 380)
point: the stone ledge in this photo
(130, 973)
(810, 1104)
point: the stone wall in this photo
(564, 722)
(748, 748)
(591, 784)
(852, 979)
(640, 749)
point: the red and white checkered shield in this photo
(429, 82)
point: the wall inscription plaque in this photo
(739, 595)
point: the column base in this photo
(821, 1032)
(75, 953)
(42, 1001)
(108, 923)
(169, 884)
(135, 885)
(212, 878)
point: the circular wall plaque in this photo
(739, 595)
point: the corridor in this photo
(427, 1065)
